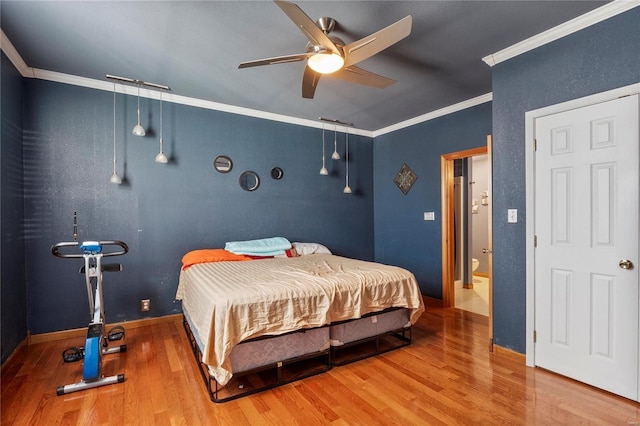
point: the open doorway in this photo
(471, 226)
(452, 253)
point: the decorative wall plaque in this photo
(405, 178)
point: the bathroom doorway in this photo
(454, 263)
(471, 223)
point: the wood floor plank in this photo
(446, 376)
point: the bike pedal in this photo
(73, 354)
(116, 333)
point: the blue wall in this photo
(165, 210)
(402, 237)
(12, 256)
(599, 58)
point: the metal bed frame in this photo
(286, 371)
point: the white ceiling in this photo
(195, 48)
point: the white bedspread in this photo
(228, 302)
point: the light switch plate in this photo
(512, 215)
(429, 216)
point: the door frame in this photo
(530, 117)
(448, 226)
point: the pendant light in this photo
(114, 177)
(347, 188)
(161, 158)
(323, 170)
(335, 155)
(138, 130)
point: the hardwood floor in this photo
(447, 376)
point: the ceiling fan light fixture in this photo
(325, 62)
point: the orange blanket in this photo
(210, 255)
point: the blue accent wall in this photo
(599, 58)
(164, 210)
(56, 158)
(13, 293)
(402, 236)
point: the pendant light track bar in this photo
(138, 82)
(331, 120)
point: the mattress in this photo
(230, 302)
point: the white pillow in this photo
(310, 248)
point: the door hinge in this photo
(535, 241)
(535, 336)
(535, 144)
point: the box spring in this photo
(269, 361)
(277, 368)
(370, 335)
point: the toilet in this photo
(474, 264)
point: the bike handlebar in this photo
(57, 253)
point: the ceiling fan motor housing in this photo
(326, 24)
(320, 49)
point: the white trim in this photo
(595, 16)
(178, 99)
(73, 80)
(590, 18)
(216, 106)
(488, 97)
(530, 117)
(13, 55)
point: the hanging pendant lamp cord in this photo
(160, 122)
(347, 154)
(114, 128)
(138, 104)
(322, 145)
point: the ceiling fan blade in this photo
(315, 35)
(310, 80)
(276, 60)
(376, 42)
(358, 75)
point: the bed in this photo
(264, 321)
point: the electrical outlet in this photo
(145, 305)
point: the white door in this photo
(586, 226)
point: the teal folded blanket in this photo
(263, 247)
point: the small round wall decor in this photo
(276, 173)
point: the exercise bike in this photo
(97, 340)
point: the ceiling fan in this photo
(330, 56)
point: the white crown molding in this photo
(110, 86)
(583, 21)
(478, 100)
(216, 106)
(178, 99)
(13, 55)
(569, 27)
